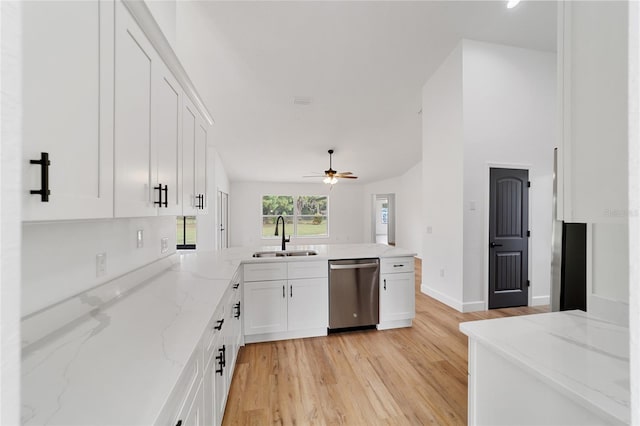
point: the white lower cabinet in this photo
(397, 293)
(279, 308)
(200, 395)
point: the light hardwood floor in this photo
(408, 376)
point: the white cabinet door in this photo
(193, 415)
(133, 118)
(266, 307)
(189, 123)
(201, 167)
(397, 296)
(168, 141)
(308, 306)
(68, 108)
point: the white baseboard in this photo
(284, 335)
(394, 324)
(476, 306)
(540, 300)
(441, 297)
(39, 324)
(608, 309)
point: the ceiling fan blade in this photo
(348, 177)
(345, 173)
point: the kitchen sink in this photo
(280, 253)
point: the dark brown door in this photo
(508, 240)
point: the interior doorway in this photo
(508, 237)
(383, 223)
(223, 220)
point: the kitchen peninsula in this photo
(153, 352)
(567, 368)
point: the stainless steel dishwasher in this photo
(354, 292)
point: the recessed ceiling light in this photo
(512, 3)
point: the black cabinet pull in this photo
(283, 293)
(492, 245)
(290, 291)
(166, 195)
(236, 285)
(398, 266)
(159, 189)
(179, 423)
(201, 196)
(220, 359)
(44, 163)
(237, 308)
(224, 355)
(219, 325)
(385, 283)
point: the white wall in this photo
(487, 105)
(59, 258)
(409, 222)
(442, 182)
(10, 199)
(509, 119)
(346, 216)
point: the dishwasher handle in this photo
(354, 266)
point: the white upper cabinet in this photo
(201, 168)
(189, 127)
(168, 142)
(594, 111)
(68, 109)
(135, 59)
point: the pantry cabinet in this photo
(194, 162)
(67, 76)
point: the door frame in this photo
(391, 224)
(485, 234)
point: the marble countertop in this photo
(585, 358)
(118, 365)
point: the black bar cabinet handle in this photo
(159, 189)
(283, 293)
(219, 325)
(44, 163)
(224, 355)
(179, 423)
(495, 245)
(166, 196)
(398, 266)
(237, 306)
(290, 291)
(385, 283)
(236, 285)
(220, 359)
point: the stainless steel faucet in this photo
(284, 240)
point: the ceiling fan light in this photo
(327, 179)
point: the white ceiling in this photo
(362, 63)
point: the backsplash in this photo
(59, 258)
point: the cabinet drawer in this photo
(314, 269)
(265, 271)
(392, 265)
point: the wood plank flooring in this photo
(408, 376)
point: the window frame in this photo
(294, 216)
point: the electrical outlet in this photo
(139, 239)
(164, 245)
(442, 273)
(101, 264)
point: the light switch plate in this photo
(139, 239)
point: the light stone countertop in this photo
(118, 365)
(583, 357)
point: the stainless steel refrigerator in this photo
(568, 258)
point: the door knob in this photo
(492, 245)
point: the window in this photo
(186, 235)
(304, 215)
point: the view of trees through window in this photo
(186, 232)
(304, 215)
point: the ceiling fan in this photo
(331, 176)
